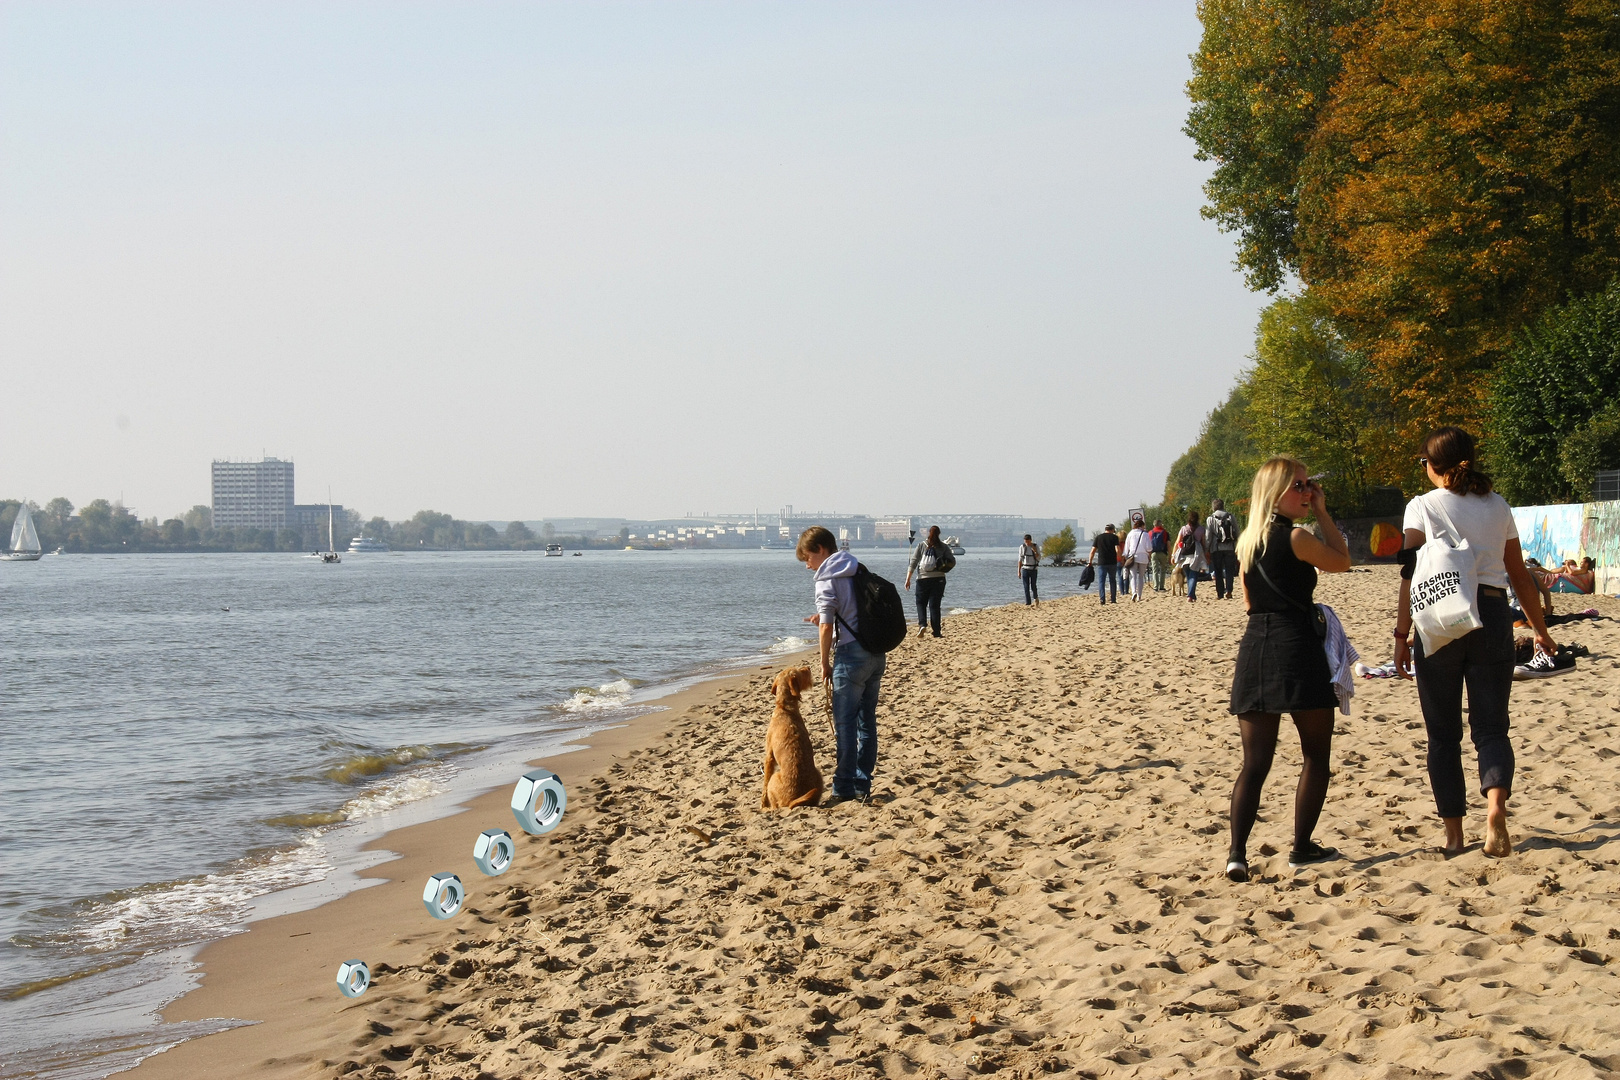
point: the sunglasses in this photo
(1301, 486)
(1423, 461)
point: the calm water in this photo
(186, 737)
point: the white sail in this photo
(23, 536)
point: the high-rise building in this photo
(253, 494)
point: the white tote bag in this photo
(1445, 593)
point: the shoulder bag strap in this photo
(1289, 600)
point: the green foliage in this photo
(1263, 72)
(1593, 446)
(1560, 375)
(518, 533)
(1059, 545)
(1220, 465)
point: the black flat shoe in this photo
(1311, 854)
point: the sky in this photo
(641, 259)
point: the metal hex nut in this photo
(493, 851)
(442, 895)
(538, 801)
(353, 978)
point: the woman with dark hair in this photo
(1282, 666)
(930, 562)
(1192, 553)
(1461, 507)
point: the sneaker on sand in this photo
(1311, 854)
(1543, 665)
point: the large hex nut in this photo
(538, 801)
(443, 895)
(493, 851)
(353, 978)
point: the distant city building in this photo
(253, 494)
(899, 528)
(311, 520)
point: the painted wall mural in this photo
(1576, 531)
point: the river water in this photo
(187, 740)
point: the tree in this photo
(1221, 464)
(1263, 72)
(1309, 398)
(200, 517)
(1592, 447)
(1464, 176)
(57, 513)
(1059, 546)
(1555, 384)
(518, 533)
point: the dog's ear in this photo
(803, 680)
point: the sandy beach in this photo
(1037, 891)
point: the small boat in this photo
(553, 549)
(577, 554)
(24, 538)
(955, 545)
(366, 543)
(330, 555)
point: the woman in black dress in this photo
(1281, 665)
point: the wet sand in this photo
(1038, 891)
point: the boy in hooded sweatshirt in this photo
(854, 673)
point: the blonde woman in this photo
(1281, 665)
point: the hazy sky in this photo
(545, 259)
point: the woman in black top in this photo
(1281, 665)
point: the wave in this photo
(607, 696)
(788, 644)
(959, 611)
(374, 763)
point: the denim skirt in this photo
(1281, 667)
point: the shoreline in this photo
(278, 974)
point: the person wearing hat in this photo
(1105, 557)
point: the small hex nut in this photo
(493, 851)
(442, 895)
(539, 800)
(353, 978)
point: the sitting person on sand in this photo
(1575, 579)
(1482, 660)
(1281, 664)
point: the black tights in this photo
(1259, 744)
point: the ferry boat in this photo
(366, 543)
(553, 549)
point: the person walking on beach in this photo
(1029, 563)
(1135, 556)
(1220, 537)
(1159, 547)
(1282, 666)
(1462, 507)
(1190, 553)
(1105, 557)
(856, 675)
(930, 563)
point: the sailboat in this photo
(24, 539)
(331, 552)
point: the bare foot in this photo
(1497, 841)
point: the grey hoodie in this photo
(835, 592)
(916, 561)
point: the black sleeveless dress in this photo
(1281, 666)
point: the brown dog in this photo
(791, 777)
(1178, 582)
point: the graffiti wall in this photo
(1552, 534)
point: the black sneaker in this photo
(1542, 665)
(1311, 854)
(1237, 868)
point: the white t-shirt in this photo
(1484, 521)
(1137, 548)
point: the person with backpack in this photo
(1159, 547)
(1191, 553)
(1221, 536)
(854, 669)
(1472, 527)
(1029, 561)
(930, 563)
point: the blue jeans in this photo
(930, 591)
(1224, 564)
(1030, 591)
(857, 675)
(1108, 577)
(1192, 583)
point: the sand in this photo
(1040, 891)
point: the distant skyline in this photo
(512, 261)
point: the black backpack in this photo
(878, 609)
(1225, 529)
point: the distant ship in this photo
(955, 545)
(24, 539)
(366, 543)
(553, 549)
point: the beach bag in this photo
(937, 560)
(1088, 575)
(1445, 592)
(879, 611)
